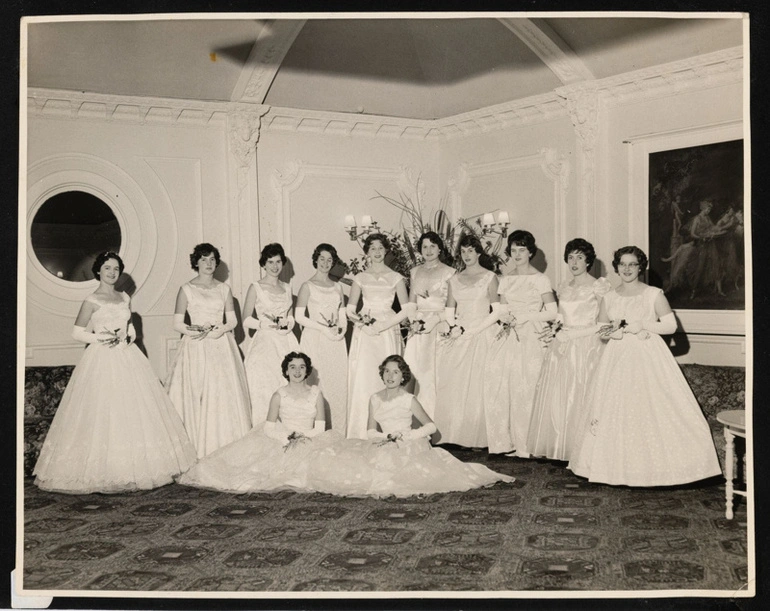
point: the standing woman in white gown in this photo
(644, 426)
(466, 413)
(527, 303)
(267, 310)
(207, 383)
(321, 312)
(428, 290)
(570, 359)
(115, 429)
(376, 334)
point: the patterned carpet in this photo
(549, 530)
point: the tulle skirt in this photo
(207, 386)
(115, 429)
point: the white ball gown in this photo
(420, 351)
(115, 429)
(560, 392)
(516, 359)
(329, 357)
(267, 348)
(466, 413)
(644, 426)
(368, 351)
(258, 463)
(402, 468)
(207, 383)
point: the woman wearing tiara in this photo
(466, 413)
(643, 425)
(207, 383)
(526, 304)
(570, 358)
(377, 333)
(267, 310)
(428, 290)
(321, 313)
(115, 429)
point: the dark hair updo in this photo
(295, 355)
(323, 247)
(376, 237)
(641, 258)
(520, 237)
(273, 249)
(203, 250)
(582, 246)
(102, 258)
(402, 366)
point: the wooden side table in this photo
(734, 422)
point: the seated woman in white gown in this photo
(397, 459)
(643, 425)
(115, 428)
(277, 453)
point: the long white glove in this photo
(488, 320)
(549, 312)
(300, 314)
(391, 321)
(565, 335)
(131, 333)
(426, 430)
(276, 430)
(230, 322)
(375, 434)
(350, 311)
(342, 319)
(252, 323)
(665, 326)
(449, 316)
(80, 334)
(181, 327)
(318, 427)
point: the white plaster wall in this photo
(181, 171)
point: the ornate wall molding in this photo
(284, 182)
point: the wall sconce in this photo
(367, 226)
(488, 224)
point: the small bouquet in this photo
(608, 331)
(115, 339)
(452, 334)
(507, 324)
(329, 322)
(391, 438)
(201, 330)
(364, 319)
(295, 438)
(552, 327)
(278, 322)
(415, 327)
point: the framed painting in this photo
(690, 187)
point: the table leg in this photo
(729, 458)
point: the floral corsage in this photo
(507, 324)
(295, 438)
(452, 334)
(365, 319)
(391, 438)
(115, 339)
(329, 322)
(414, 327)
(279, 322)
(610, 331)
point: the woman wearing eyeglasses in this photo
(644, 426)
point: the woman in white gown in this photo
(207, 383)
(466, 413)
(644, 426)
(267, 310)
(115, 429)
(570, 358)
(278, 452)
(320, 311)
(377, 333)
(397, 459)
(527, 303)
(428, 290)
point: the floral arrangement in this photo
(114, 339)
(414, 327)
(278, 322)
(451, 335)
(295, 438)
(329, 322)
(391, 438)
(507, 324)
